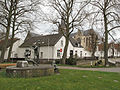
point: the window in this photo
(84, 39)
(71, 53)
(89, 41)
(58, 53)
(41, 54)
(75, 52)
(61, 43)
(81, 54)
(76, 44)
(16, 55)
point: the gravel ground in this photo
(117, 69)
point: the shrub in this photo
(58, 61)
(71, 61)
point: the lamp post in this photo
(38, 45)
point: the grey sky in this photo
(46, 28)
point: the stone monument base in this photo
(30, 71)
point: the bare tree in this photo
(5, 21)
(93, 43)
(71, 13)
(20, 21)
(118, 49)
(20, 18)
(110, 19)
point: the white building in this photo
(14, 52)
(52, 47)
(113, 50)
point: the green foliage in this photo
(71, 61)
(67, 80)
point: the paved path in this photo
(114, 59)
(93, 69)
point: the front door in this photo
(41, 55)
(71, 53)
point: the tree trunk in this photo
(94, 50)
(11, 46)
(106, 49)
(4, 47)
(94, 45)
(93, 54)
(106, 40)
(65, 50)
(13, 31)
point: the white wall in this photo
(101, 53)
(14, 49)
(21, 52)
(6, 53)
(58, 47)
(110, 52)
(83, 51)
(47, 52)
(70, 47)
(51, 51)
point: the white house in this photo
(14, 52)
(52, 47)
(113, 50)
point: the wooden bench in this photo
(6, 65)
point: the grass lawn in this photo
(85, 66)
(67, 80)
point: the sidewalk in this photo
(114, 59)
(117, 69)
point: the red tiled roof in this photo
(101, 46)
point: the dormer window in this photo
(76, 44)
(75, 52)
(58, 53)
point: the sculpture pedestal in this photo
(30, 71)
(22, 64)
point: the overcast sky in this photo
(47, 28)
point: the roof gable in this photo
(30, 35)
(74, 42)
(44, 40)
